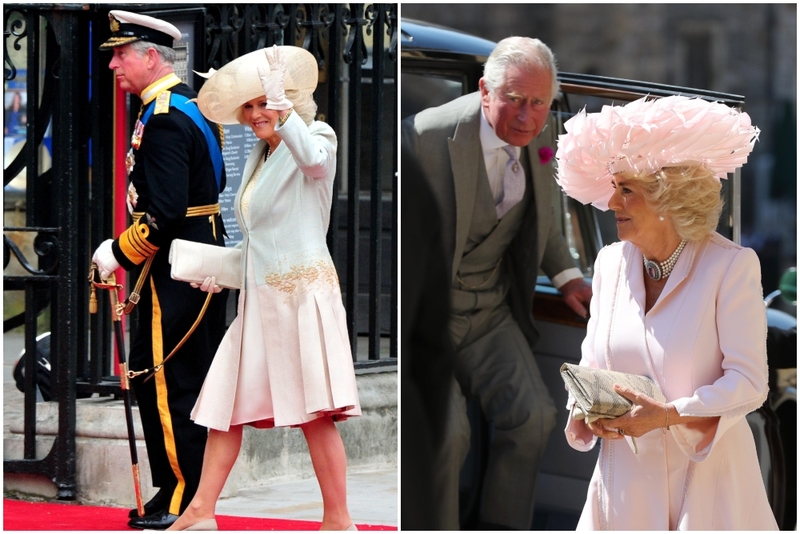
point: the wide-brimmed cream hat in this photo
(227, 89)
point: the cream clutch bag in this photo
(593, 391)
(194, 262)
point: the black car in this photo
(439, 64)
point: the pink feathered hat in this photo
(645, 136)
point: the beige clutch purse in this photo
(593, 391)
(194, 262)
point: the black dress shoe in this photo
(482, 525)
(160, 520)
(159, 501)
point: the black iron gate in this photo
(67, 162)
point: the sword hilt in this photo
(110, 284)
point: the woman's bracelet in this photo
(282, 120)
(666, 424)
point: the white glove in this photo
(104, 258)
(274, 80)
(209, 285)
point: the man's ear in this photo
(484, 91)
(152, 57)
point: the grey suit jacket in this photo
(446, 142)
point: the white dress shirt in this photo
(495, 157)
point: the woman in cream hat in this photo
(285, 360)
(677, 302)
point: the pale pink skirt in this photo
(284, 361)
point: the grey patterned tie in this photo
(513, 183)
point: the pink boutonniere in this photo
(545, 155)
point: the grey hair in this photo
(166, 53)
(525, 52)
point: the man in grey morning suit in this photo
(497, 235)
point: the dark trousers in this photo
(175, 444)
(495, 364)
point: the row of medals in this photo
(136, 141)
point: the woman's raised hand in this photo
(274, 79)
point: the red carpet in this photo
(22, 515)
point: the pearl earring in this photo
(660, 217)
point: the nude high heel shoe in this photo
(205, 524)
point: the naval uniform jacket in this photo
(172, 172)
(446, 142)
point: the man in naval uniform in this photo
(176, 174)
(488, 160)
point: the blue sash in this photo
(183, 104)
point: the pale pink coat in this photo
(285, 360)
(704, 343)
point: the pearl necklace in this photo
(659, 270)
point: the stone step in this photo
(103, 462)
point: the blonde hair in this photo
(688, 196)
(304, 105)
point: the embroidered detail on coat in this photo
(302, 276)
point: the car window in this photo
(586, 228)
(427, 90)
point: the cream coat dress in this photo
(285, 360)
(704, 343)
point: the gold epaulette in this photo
(162, 103)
